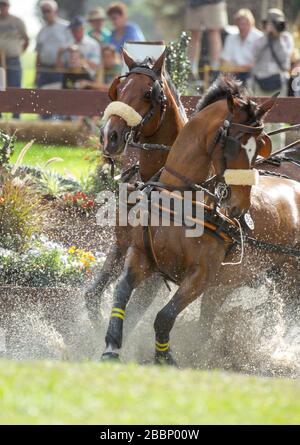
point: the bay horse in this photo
(144, 102)
(227, 134)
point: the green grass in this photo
(74, 158)
(91, 393)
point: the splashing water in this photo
(255, 331)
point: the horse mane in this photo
(224, 86)
(175, 93)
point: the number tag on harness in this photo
(249, 221)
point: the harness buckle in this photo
(222, 191)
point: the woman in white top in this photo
(238, 52)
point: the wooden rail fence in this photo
(93, 103)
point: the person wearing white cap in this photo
(53, 35)
(13, 42)
(96, 18)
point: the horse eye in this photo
(147, 95)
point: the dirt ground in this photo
(75, 229)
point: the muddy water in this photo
(255, 331)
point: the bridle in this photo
(230, 147)
(157, 98)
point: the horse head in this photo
(138, 104)
(244, 140)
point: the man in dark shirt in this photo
(210, 15)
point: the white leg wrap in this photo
(241, 177)
(126, 112)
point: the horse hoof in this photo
(165, 359)
(110, 357)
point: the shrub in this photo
(6, 149)
(20, 213)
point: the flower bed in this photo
(47, 264)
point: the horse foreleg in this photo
(137, 269)
(109, 273)
(193, 286)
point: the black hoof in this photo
(165, 358)
(110, 357)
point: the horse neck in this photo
(189, 155)
(173, 122)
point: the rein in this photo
(287, 147)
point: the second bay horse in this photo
(195, 264)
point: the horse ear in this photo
(127, 58)
(267, 106)
(159, 64)
(232, 103)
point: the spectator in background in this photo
(295, 77)
(53, 35)
(82, 57)
(210, 15)
(111, 64)
(122, 30)
(96, 18)
(238, 52)
(272, 56)
(112, 68)
(13, 42)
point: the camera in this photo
(279, 26)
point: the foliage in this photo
(51, 185)
(78, 201)
(45, 264)
(20, 213)
(6, 148)
(178, 64)
(111, 394)
(36, 173)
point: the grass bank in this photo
(91, 393)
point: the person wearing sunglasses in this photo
(53, 35)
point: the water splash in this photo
(255, 331)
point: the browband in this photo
(143, 70)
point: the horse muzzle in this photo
(112, 136)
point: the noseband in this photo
(133, 119)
